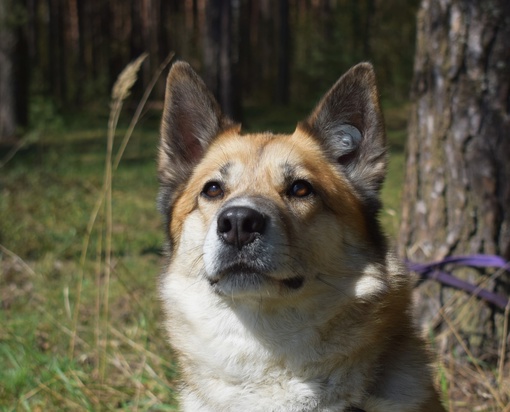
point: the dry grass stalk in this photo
(120, 92)
(103, 209)
(139, 108)
(502, 353)
(471, 386)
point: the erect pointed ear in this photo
(191, 120)
(348, 122)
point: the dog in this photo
(280, 291)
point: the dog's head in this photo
(273, 215)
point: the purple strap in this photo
(432, 271)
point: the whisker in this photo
(321, 279)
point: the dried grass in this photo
(471, 383)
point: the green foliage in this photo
(15, 17)
(44, 115)
(326, 44)
(396, 123)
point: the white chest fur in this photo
(241, 359)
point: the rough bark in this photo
(456, 198)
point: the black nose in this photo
(239, 225)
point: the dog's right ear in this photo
(348, 122)
(191, 120)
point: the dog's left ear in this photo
(349, 124)
(191, 120)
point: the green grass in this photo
(47, 192)
(396, 127)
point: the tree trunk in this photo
(13, 72)
(56, 71)
(221, 55)
(456, 198)
(7, 44)
(283, 78)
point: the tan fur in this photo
(316, 316)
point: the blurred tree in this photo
(283, 84)
(221, 55)
(13, 70)
(456, 198)
(280, 51)
(57, 55)
(7, 42)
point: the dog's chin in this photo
(244, 280)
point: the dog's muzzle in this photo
(246, 251)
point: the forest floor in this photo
(78, 336)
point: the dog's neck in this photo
(245, 343)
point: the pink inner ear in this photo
(194, 148)
(188, 130)
(346, 158)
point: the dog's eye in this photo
(212, 190)
(300, 188)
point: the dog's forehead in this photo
(282, 154)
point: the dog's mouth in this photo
(294, 283)
(246, 278)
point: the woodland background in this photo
(80, 238)
(69, 52)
